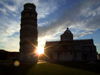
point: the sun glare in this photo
(40, 50)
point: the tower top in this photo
(29, 6)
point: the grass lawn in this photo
(43, 69)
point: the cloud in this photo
(9, 43)
(82, 34)
(9, 7)
(44, 23)
(9, 28)
(44, 8)
(82, 16)
(8, 40)
(10, 25)
(97, 44)
(3, 11)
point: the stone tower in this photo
(28, 34)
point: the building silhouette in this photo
(28, 34)
(5, 55)
(68, 49)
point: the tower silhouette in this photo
(28, 34)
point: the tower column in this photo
(28, 34)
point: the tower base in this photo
(29, 59)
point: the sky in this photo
(54, 16)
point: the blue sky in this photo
(54, 16)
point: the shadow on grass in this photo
(31, 69)
(13, 70)
(82, 65)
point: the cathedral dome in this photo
(67, 35)
(67, 31)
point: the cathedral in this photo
(68, 49)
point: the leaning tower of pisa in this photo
(28, 34)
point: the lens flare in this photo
(16, 63)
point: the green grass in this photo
(82, 65)
(55, 69)
(43, 69)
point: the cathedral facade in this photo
(68, 49)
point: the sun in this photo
(40, 50)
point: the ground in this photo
(62, 68)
